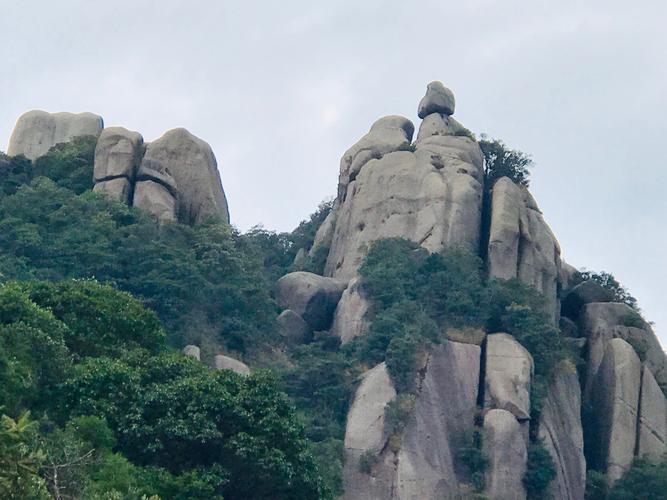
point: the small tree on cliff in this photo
(501, 161)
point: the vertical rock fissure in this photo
(639, 411)
(485, 226)
(482, 375)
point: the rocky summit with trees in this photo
(417, 337)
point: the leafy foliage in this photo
(501, 161)
(609, 282)
(645, 480)
(204, 282)
(540, 471)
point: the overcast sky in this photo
(281, 89)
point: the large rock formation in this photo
(561, 432)
(190, 162)
(430, 193)
(424, 465)
(222, 362)
(652, 437)
(521, 245)
(38, 131)
(117, 156)
(601, 322)
(350, 317)
(509, 371)
(312, 297)
(506, 448)
(615, 407)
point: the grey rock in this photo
(311, 296)
(466, 335)
(562, 434)
(615, 408)
(505, 447)
(117, 154)
(387, 135)
(365, 419)
(350, 317)
(584, 293)
(568, 274)
(191, 163)
(652, 419)
(38, 131)
(118, 189)
(222, 362)
(509, 371)
(155, 199)
(444, 412)
(324, 234)
(601, 322)
(432, 196)
(192, 351)
(293, 329)
(438, 99)
(521, 244)
(438, 124)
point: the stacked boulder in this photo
(173, 178)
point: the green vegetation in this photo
(608, 282)
(540, 471)
(470, 454)
(645, 480)
(501, 161)
(125, 415)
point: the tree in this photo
(645, 480)
(608, 282)
(19, 463)
(501, 161)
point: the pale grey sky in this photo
(281, 89)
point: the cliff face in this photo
(431, 191)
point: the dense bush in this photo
(204, 282)
(182, 430)
(645, 480)
(501, 161)
(607, 281)
(540, 471)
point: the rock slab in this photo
(505, 446)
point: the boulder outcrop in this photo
(509, 371)
(615, 407)
(222, 362)
(424, 466)
(119, 189)
(190, 162)
(521, 244)
(561, 432)
(584, 293)
(155, 199)
(350, 317)
(38, 131)
(192, 351)
(652, 434)
(292, 328)
(311, 296)
(601, 322)
(387, 135)
(506, 449)
(117, 154)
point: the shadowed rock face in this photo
(424, 467)
(562, 434)
(652, 418)
(38, 131)
(505, 447)
(616, 408)
(312, 297)
(521, 244)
